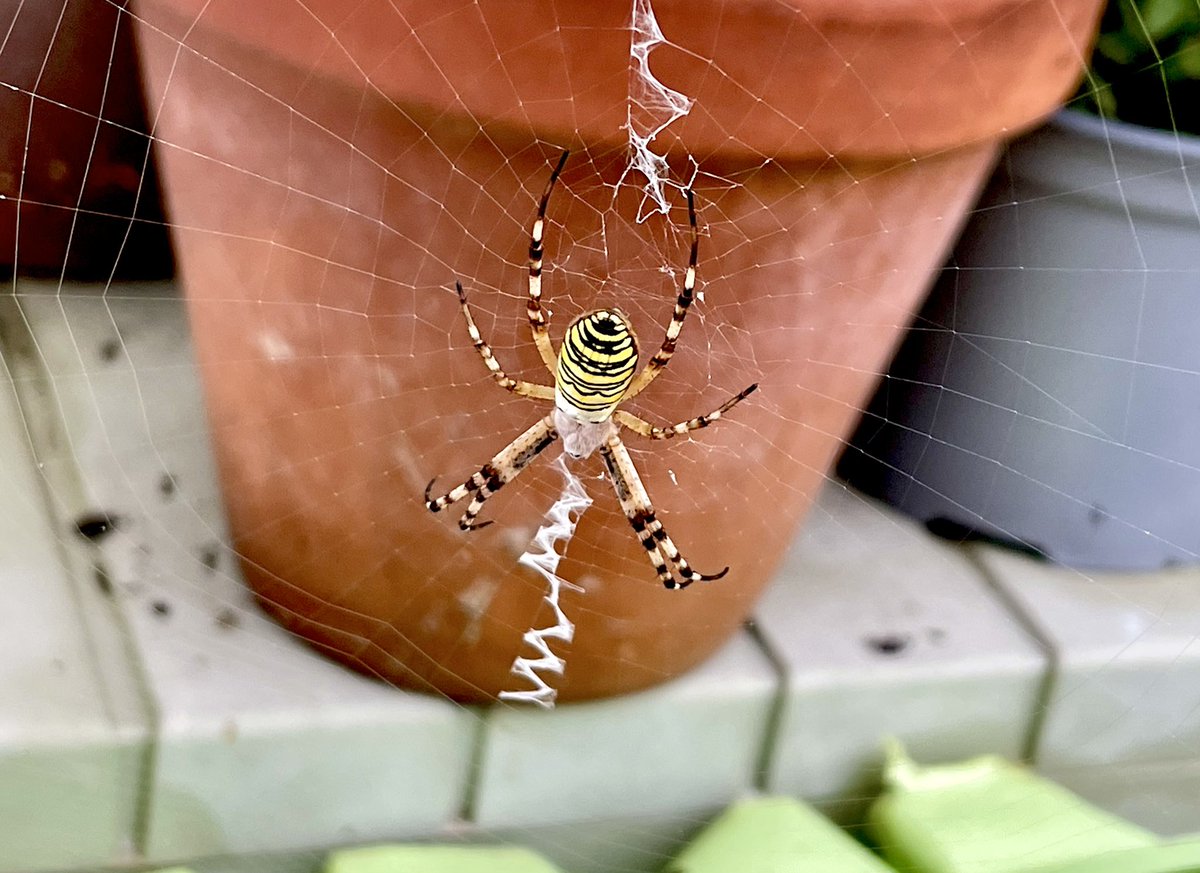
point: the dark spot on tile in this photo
(209, 556)
(167, 486)
(95, 526)
(936, 635)
(161, 607)
(110, 350)
(888, 644)
(228, 618)
(1097, 515)
(102, 581)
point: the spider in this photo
(594, 373)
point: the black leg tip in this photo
(714, 577)
(462, 295)
(469, 526)
(433, 507)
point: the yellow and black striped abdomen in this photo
(595, 365)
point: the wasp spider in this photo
(594, 373)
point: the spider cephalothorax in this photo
(595, 371)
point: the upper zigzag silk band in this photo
(597, 362)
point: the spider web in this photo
(279, 422)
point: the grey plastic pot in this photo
(1049, 392)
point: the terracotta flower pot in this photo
(330, 174)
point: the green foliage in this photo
(1146, 65)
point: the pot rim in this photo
(1135, 137)
(1112, 165)
(774, 79)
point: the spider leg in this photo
(495, 474)
(516, 386)
(686, 295)
(537, 316)
(635, 503)
(654, 432)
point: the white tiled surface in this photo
(1127, 650)
(72, 728)
(629, 844)
(885, 631)
(263, 746)
(1164, 798)
(692, 743)
(633, 844)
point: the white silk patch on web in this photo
(543, 556)
(650, 109)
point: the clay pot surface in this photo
(330, 175)
(800, 78)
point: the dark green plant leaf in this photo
(1119, 47)
(1146, 65)
(1162, 18)
(1186, 61)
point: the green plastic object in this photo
(987, 815)
(774, 835)
(438, 859)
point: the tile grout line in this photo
(773, 726)
(1040, 638)
(468, 809)
(42, 426)
(143, 803)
